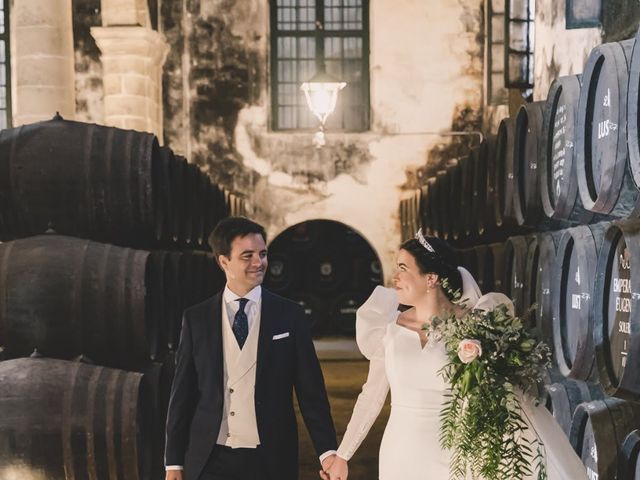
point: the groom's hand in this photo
(173, 475)
(326, 465)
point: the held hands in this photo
(334, 468)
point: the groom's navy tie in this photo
(241, 323)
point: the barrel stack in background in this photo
(103, 244)
(555, 224)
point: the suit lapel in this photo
(267, 319)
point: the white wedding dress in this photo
(410, 448)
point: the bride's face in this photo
(408, 281)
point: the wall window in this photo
(519, 37)
(583, 13)
(307, 35)
(5, 75)
(496, 93)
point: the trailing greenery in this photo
(481, 419)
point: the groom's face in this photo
(247, 263)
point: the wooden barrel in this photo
(484, 267)
(616, 297)
(541, 260)
(498, 260)
(515, 265)
(404, 219)
(343, 316)
(66, 297)
(163, 196)
(573, 286)
(211, 211)
(633, 112)
(186, 213)
(327, 272)
(82, 180)
(605, 184)
(302, 237)
(441, 188)
(468, 259)
(157, 381)
(315, 309)
(628, 466)
(426, 207)
(204, 207)
(69, 420)
(504, 175)
(526, 190)
(414, 201)
(598, 430)
(193, 224)
(466, 200)
(481, 210)
(281, 273)
(565, 396)
(177, 174)
(190, 277)
(451, 219)
(558, 188)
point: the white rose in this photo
(469, 350)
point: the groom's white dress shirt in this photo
(239, 428)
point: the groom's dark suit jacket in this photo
(196, 403)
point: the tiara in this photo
(423, 241)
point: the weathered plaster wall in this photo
(89, 86)
(425, 72)
(558, 51)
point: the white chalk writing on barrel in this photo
(559, 142)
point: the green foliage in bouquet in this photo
(490, 353)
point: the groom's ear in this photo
(223, 261)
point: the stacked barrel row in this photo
(585, 289)
(572, 159)
(556, 191)
(100, 321)
(105, 184)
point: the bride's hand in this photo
(339, 469)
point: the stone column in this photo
(132, 59)
(42, 56)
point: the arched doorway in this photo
(327, 267)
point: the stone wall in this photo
(558, 51)
(425, 73)
(89, 87)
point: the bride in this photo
(404, 360)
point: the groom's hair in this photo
(442, 261)
(230, 228)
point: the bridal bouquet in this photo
(490, 354)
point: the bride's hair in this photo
(442, 262)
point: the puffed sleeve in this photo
(372, 320)
(373, 317)
(491, 300)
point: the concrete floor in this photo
(344, 379)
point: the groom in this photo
(241, 355)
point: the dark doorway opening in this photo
(328, 268)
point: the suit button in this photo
(228, 435)
(231, 390)
(232, 413)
